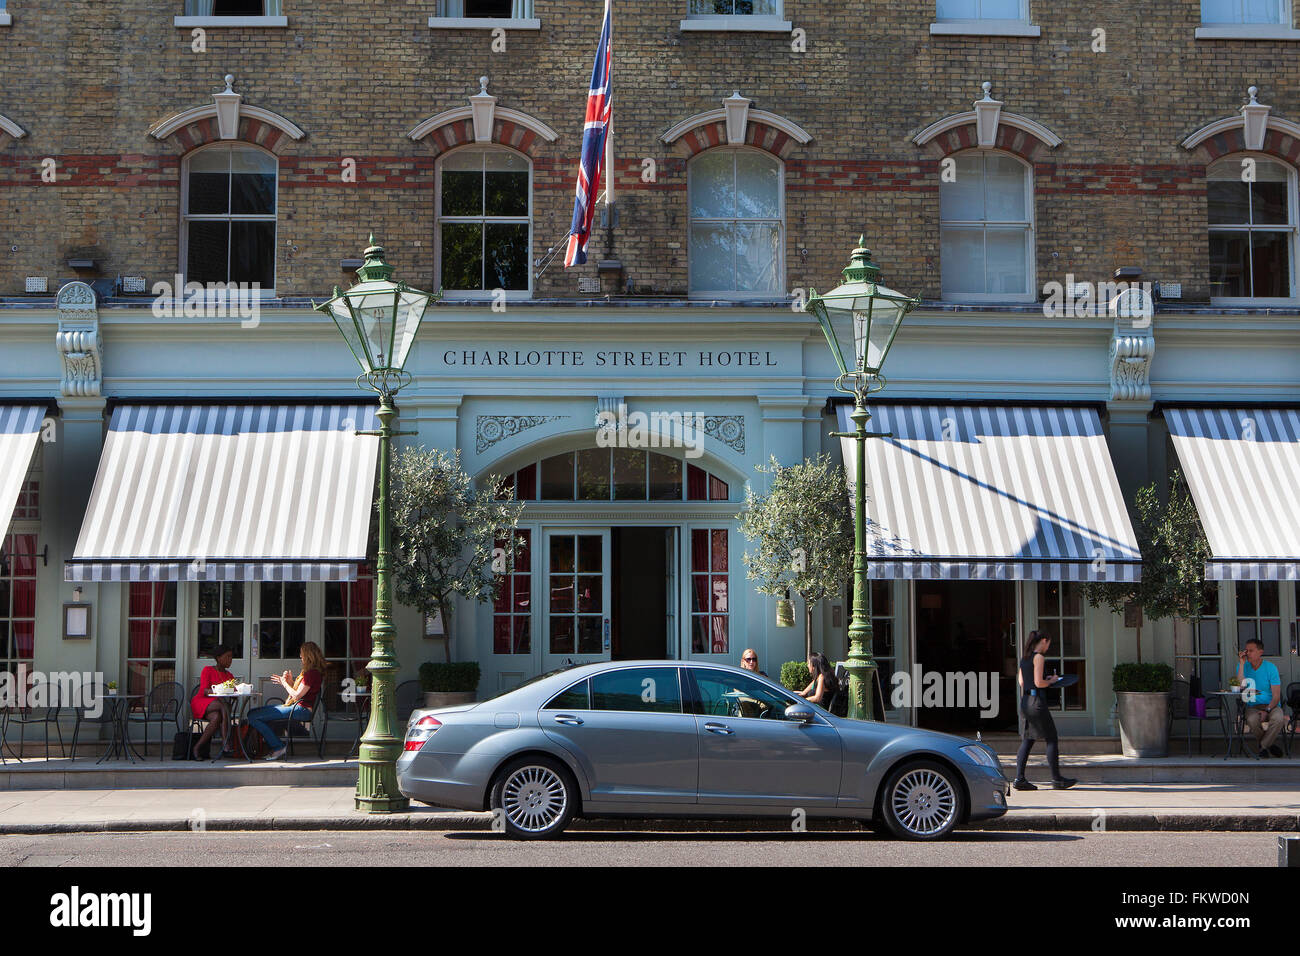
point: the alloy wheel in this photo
(534, 798)
(923, 802)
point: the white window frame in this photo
(736, 22)
(186, 218)
(733, 294)
(440, 21)
(439, 219)
(985, 26)
(208, 22)
(1284, 29)
(6, 19)
(1293, 227)
(1029, 224)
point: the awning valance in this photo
(993, 493)
(230, 493)
(20, 429)
(1242, 465)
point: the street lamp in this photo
(379, 319)
(874, 313)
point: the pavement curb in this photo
(1019, 822)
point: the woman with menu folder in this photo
(1035, 716)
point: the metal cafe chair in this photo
(313, 729)
(95, 694)
(23, 716)
(161, 707)
(1290, 702)
(409, 696)
(1180, 708)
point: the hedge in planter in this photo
(1143, 678)
(456, 678)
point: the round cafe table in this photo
(236, 705)
(1232, 698)
(119, 743)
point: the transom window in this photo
(736, 217)
(1252, 219)
(614, 474)
(229, 213)
(986, 229)
(734, 8)
(484, 221)
(983, 9)
(1246, 11)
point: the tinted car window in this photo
(574, 698)
(724, 694)
(643, 689)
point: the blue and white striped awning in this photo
(992, 493)
(230, 493)
(1242, 465)
(20, 428)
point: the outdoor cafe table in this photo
(119, 744)
(1232, 698)
(236, 705)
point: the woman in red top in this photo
(206, 707)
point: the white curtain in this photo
(451, 8)
(198, 8)
(521, 9)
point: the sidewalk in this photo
(1169, 806)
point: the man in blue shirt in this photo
(1262, 695)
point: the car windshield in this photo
(531, 680)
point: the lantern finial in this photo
(375, 268)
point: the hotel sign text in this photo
(608, 358)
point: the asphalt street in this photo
(599, 848)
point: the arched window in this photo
(615, 474)
(737, 214)
(986, 229)
(229, 199)
(485, 221)
(1252, 221)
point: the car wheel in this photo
(921, 801)
(534, 798)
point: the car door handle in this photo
(722, 729)
(568, 719)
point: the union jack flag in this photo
(591, 167)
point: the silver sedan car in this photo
(687, 739)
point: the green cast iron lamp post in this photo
(379, 319)
(872, 313)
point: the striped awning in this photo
(20, 428)
(1242, 465)
(993, 493)
(230, 493)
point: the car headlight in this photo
(980, 755)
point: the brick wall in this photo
(87, 80)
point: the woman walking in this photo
(1035, 716)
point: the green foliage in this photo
(1174, 552)
(445, 532)
(795, 675)
(442, 678)
(1142, 678)
(801, 532)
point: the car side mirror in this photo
(800, 713)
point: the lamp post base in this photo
(377, 790)
(862, 670)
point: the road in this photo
(478, 848)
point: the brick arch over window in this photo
(735, 124)
(227, 118)
(9, 131)
(484, 123)
(253, 131)
(987, 126)
(1009, 139)
(1279, 145)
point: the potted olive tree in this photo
(449, 541)
(1174, 552)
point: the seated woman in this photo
(206, 707)
(823, 685)
(302, 697)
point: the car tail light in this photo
(421, 730)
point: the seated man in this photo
(1266, 705)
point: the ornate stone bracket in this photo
(1132, 345)
(78, 342)
(490, 429)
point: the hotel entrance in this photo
(966, 633)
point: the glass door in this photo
(577, 608)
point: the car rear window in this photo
(576, 697)
(638, 689)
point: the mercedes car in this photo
(655, 739)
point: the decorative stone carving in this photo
(490, 429)
(228, 110)
(482, 107)
(728, 429)
(1132, 345)
(737, 112)
(987, 111)
(607, 407)
(78, 342)
(1254, 119)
